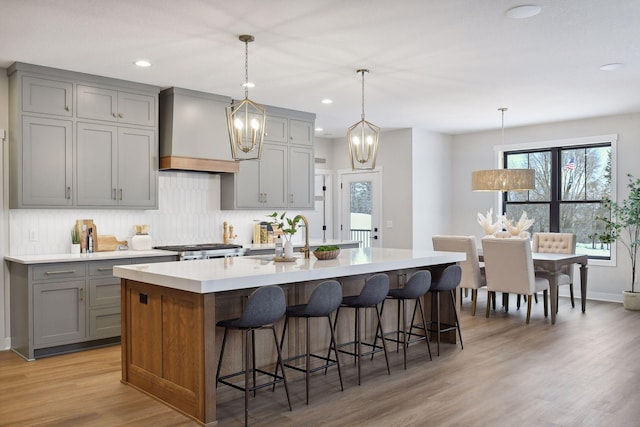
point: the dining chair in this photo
(472, 271)
(558, 243)
(509, 269)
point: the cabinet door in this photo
(301, 177)
(46, 162)
(97, 103)
(105, 291)
(47, 96)
(247, 184)
(59, 315)
(104, 322)
(96, 167)
(137, 167)
(273, 176)
(276, 129)
(301, 132)
(136, 109)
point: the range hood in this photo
(193, 132)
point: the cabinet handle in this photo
(114, 195)
(290, 197)
(60, 272)
(67, 107)
(105, 269)
(114, 115)
(120, 115)
(121, 194)
(81, 294)
(67, 193)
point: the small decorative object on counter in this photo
(227, 235)
(90, 241)
(284, 227)
(141, 241)
(75, 240)
(327, 252)
(279, 249)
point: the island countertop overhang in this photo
(227, 274)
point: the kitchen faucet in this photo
(305, 249)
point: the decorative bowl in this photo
(326, 254)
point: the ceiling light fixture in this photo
(246, 119)
(319, 129)
(503, 179)
(612, 67)
(142, 63)
(363, 139)
(327, 101)
(524, 11)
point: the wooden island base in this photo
(170, 348)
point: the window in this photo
(571, 181)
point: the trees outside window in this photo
(571, 183)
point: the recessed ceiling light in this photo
(319, 129)
(327, 101)
(142, 63)
(248, 84)
(612, 67)
(524, 11)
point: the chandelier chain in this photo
(362, 94)
(246, 68)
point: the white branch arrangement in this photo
(504, 227)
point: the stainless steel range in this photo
(205, 250)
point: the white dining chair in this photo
(509, 269)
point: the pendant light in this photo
(363, 139)
(246, 119)
(503, 179)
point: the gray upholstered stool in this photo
(324, 300)
(414, 289)
(375, 290)
(264, 307)
(448, 282)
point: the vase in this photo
(631, 300)
(288, 249)
(75, 248)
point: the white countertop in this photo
(96, 256)
(225, 274)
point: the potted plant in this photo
(624, 226)
(75, 240)
(288, 228)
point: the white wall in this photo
(475, 151)
(432, 186)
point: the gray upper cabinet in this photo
(47, 96)
(283, 177)
(99, 151)
(98, 103)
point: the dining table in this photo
(551, 264)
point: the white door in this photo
(361, 208)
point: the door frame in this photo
(341, 214)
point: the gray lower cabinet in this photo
(66, 306)
(75, 144)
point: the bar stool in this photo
(264, 307)
(414, 289)
(375, 290)
(448, 282)
(324, 300)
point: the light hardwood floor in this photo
(583, 371)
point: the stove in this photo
(205, 250)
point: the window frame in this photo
(555, 203)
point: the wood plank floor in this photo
(583, 371)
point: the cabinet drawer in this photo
(59, 271)
(104, 291)
(105, 268)
(104, 322)
(153, 259)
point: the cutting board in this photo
(108, 242)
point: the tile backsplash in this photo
(189, 212)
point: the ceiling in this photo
(439, 65)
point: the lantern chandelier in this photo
(503, 179)
(363, 139)
(246, 119)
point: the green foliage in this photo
(75, 235)
(286, 225)
(624, 224)
(327, 248)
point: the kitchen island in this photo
(169, 311)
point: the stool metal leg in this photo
(335, 351)
(224, 342)
(424, 322)
(358, 358)
(279, 362)
(455, 313)
(384, 345)
(308, 359)
(246, 376)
